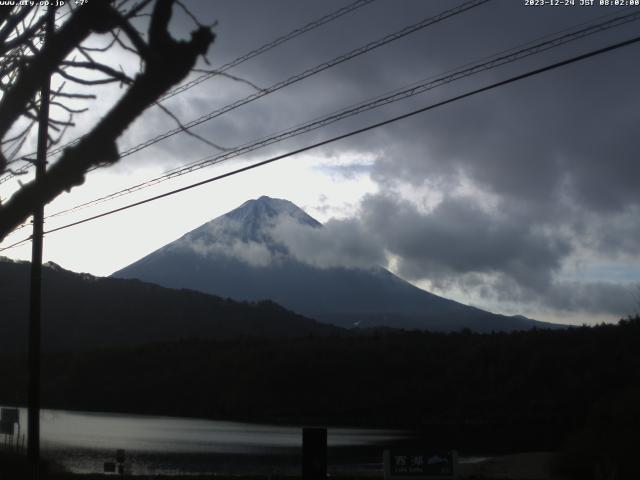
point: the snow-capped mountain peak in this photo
(270, 249)
(247, 231)
(265, 209)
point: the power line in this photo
(264, 48)
(312, 71)
(305, 74)
(247, 56)
(16, 244)
(492, 86)
(494, 61)
(9, 175)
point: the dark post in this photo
(314, 453)
(33, 427)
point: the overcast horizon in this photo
(519, 200)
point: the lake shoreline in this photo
(516, 466)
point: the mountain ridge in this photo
(244, 255)
(82, 312)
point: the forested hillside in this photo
(527, 389)
(83, 312)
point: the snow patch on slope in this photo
(267, 230)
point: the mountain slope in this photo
(84, 312)
(243, 255)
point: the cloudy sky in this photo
(520, 200)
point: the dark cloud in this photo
(493, 255)
(340, 243)
(531, 142)
(593, 297)
(349, 171)
(557, 154)
(458, 237)
(486, 125)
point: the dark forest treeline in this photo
(83, 312)
(501, 391)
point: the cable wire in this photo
(301, 76)
(227, 66)
(412, 113)
(6, 176)
(16, 244)
(265, 48)
(401, 94)
(311, 71)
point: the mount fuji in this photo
(244, 255)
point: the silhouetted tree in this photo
(25, 59)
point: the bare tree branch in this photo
(18, 40)
(67, 108)
(166, 62)
(115, 74)
(82, 81)
(235, 78)
(136, 9)
(12, 22)
(94, 16)
(86, 96)
(140, 47)
(99, 49)
(189, 132)
(189, 14)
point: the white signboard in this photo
(420, 464)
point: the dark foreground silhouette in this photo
(502, 392)
(83, 312)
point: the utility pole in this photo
(34, 364)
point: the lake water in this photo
(81, 442)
